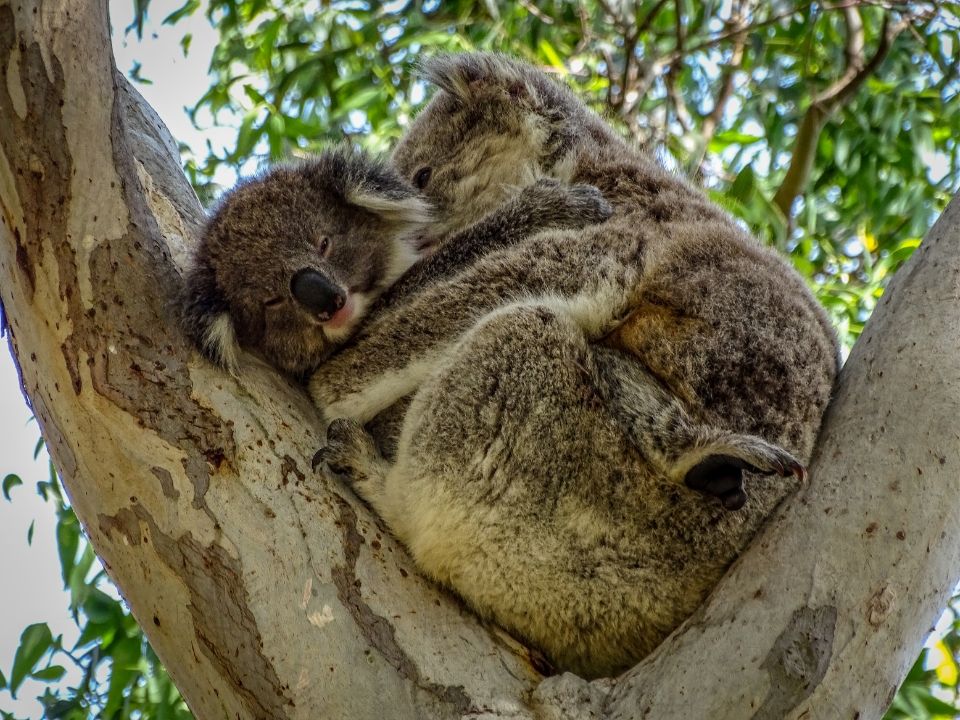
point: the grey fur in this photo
(569, 387)
(238, 291)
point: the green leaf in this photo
(9, 483)
(744, 186)
(936, 706)
(30, 532)
(3, 680)
(100, 607)
(37, 448)
(49, 674)
(100, 633)
(550, 54)
(35, 640)
(68, 539)
(185, 10)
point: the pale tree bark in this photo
(269, 593)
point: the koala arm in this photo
(580, 274)
(547, 204)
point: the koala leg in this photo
(351, 453)
(501, 484)
(707, 459)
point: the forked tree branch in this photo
(832, 98)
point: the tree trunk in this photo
(271, 593)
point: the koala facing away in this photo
(720, 321)
(291, 261)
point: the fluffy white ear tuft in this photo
(410, 210)
(220, 343)
(404, 257)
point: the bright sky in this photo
(31, 589)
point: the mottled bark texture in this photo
(271, 594)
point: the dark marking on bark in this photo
(288, 467)
(70, 360)
(225, 628)
(36, 148)
(798, 660)
(378, 631)
(166, 482)
(23, 260)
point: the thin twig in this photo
(711, 122)
(670, 79)
(536, 12)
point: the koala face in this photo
(493, 126)
(291, 261)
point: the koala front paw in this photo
(566, 206)
(587, 205)
(349, 450)
(720, 473)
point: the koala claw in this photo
(349, 450)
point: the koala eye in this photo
(324, 246)
(422, 177)
(274, 302)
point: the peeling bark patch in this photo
(166, 483)
(37, 151)
(70, 359)
(798, 660)
(225, 628)
(378, 631)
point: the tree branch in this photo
(265, 592)
(679, 104)
(725, 91)
(830, 100)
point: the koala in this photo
(588, 406)
(293, 260)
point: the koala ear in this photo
(393, 207)
(464, 74)
(206, 318)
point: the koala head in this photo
(291, 260)
(494, 125)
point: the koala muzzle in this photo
(317, 293)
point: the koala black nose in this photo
(316, 293)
